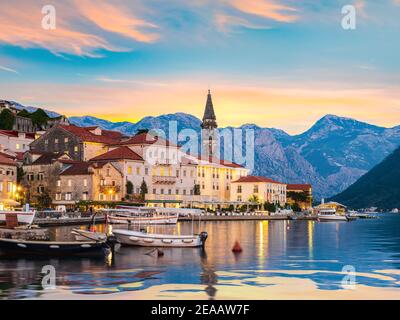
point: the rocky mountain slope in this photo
(378, 188)
(331, 155)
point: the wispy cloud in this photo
(225, 23)
(82, 27)
(268, 9)
(8, 69)
(117, 19)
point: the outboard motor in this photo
(203, 237)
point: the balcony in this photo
(168, 180)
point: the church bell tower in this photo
(209, 132)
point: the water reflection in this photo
(275, 253)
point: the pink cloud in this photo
(266, 9)
(20, 25)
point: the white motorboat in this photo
(395, 210)
(143, 239)
(329, 214)
(23, 217)
(140, 215)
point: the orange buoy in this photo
(237, 248)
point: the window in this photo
(255, 188)
(177, 173)
(46, 141)
(146, 171)
(9, 186)
(76, 148)
(58, 183)
(69, 183)
(239, 198)
(162, 191)
(169, 191)
(177, 191)
(101, 197)
(66, 140)
(68, 196)
(40, 189)
(108, 172)
(154, 191)
(184, 192)
(129, 170)
(85, 182)
(138, 170)
(239, 189)
(17, 146)
(85, 196)
(102, 182)
(56, 140)
(41, 176)
(58, 196)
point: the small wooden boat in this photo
(23, 217)
(143, 239)
(53, 248)
(87, 235)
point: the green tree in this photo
(43, 200)
(24, 113)
(39, 117)
(296, 207)
(270, 207)
(20, 174)
(6, 119)
(129, 187)
(143, 190)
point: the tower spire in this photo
(209, 118)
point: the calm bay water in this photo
(280, 260)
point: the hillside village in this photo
(50, 163)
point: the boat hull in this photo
(135, 238)
(332, 217)
(53, 249)
(23, 217)
(114, 219)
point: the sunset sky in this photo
(274, 63)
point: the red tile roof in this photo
(49, 158)
(303, 187)
(119, 154)
(256, 179)
(79, 168)
(106, 137)
(14, 133)
(220, 161)
(145, 138)
(6, 159)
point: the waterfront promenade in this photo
(65, 221)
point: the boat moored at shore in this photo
(143, 239)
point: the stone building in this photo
(89, 181)
(14, 141)
(265, 189)
(300, 194)
(8, 182)
(41, 172)
(80, 143)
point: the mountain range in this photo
(378, 188)
(331, 155)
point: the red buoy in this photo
(237, 248)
